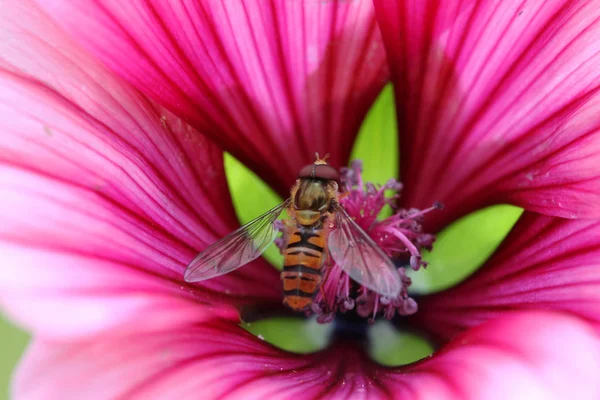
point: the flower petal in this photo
(66, 295)
(271, 82)
(533, 351)
(545, 263)
(528, 355)
(98, 178)
(497, 103)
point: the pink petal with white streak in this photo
(545, 263)
(270, 81)
(527, 355)
(99, 178)
(497, 102)
(69, 296)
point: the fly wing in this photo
(360, 257)
(236, 249)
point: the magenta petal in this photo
(271, 82)
(69, 296)
(97, 178)
(207, 361)
(497, 102)
(545, 263)
(529, 355)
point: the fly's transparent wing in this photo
(360, 257)
(236, 249)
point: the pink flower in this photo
(114, 118)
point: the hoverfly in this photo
(318, 224)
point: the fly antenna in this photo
(320, 161)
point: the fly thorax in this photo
(311, 200)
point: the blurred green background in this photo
(459, 250)
(12, 344)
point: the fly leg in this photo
(327, 269)
(328, 262)
(285, 226)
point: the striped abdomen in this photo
(301, 274)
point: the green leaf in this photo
(295, 335)
(392, 348)
(463, 247)
(377, 141)
(251, 197)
